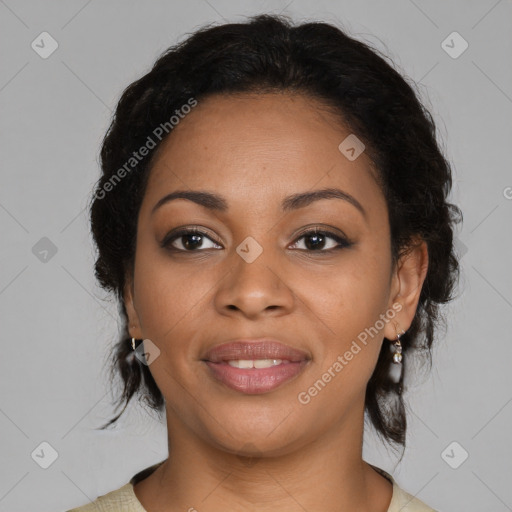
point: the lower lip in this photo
(253, 381)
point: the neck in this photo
(327, 473)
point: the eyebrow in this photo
(294, 202)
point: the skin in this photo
(255, 150)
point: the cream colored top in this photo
(125, 500)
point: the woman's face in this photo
(254, 274)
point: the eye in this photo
(317, 240)
(194, 240)
(188, 240)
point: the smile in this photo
(255, 367)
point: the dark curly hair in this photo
(269, 53)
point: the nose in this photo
(254, 289)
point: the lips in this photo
(251, 350)
(254, 367)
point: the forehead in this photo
(257, 146)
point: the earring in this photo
(133, 339)
(397, 356)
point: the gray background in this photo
(57, 325)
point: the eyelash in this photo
(342, 242)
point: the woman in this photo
(273, 218)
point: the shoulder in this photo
(402, 501)
(122, 499)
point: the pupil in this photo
(319, 241)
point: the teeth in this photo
(257, 363)
(266, 363)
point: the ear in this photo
(133, 318)
(407, 282)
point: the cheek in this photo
(165, 293)
(165, 300)
(349, 301)
(169, 303)
(351, 295)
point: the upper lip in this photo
(250, 349)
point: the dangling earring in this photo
(396, 369)
(397, 356)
